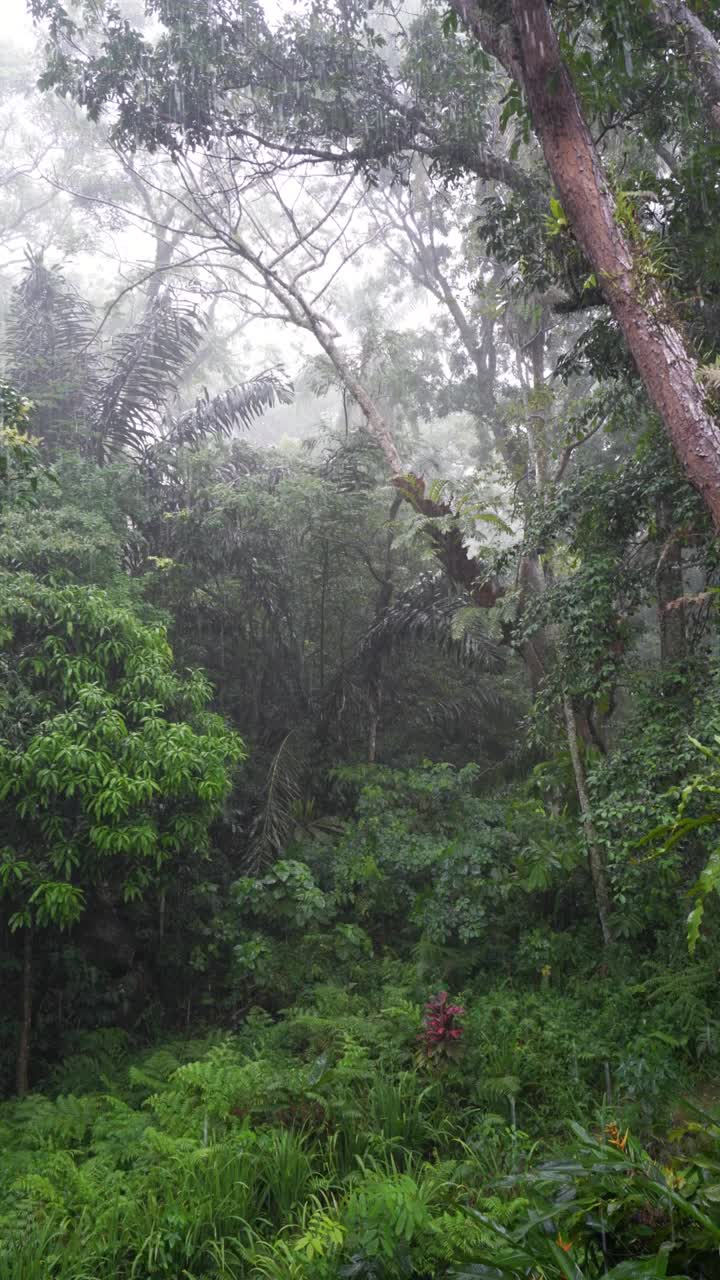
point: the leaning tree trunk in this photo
(664, 361)
(640, 306)
(22, 1066)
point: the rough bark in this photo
(701, 50)
(22, 1066)
(598, 870)
(664, 361)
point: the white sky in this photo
(16, 29)
(15, 22)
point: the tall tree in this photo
(529, 49)
(110, 767)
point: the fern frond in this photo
(710, 375)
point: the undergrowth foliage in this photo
(359, 777)
(361, 1121)
(315, 1146)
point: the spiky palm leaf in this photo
(272, 826)
(428, 611)
(710, 375)
(142, 370)
(352, 463)
(118, 401)
(239, 406)
(49, 331)
(443, 704)
(423, 617)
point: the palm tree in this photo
(118, 397)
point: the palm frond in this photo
(427, 611)
(48, 334)
(275, 821)
(239, 406)
(467, 621)
(351, 462)
(423, 618)
(143, 368)
(450, 707)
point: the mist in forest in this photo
(359, 686)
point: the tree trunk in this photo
(382, 602)
(666, 366)
(373, 725)
(22, 1072)
(670, 589)
(598, 871)
(535, 650)
(449, 545)
(323, 598)
(668, 369)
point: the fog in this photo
(359, 643)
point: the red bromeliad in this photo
(442, 1032)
